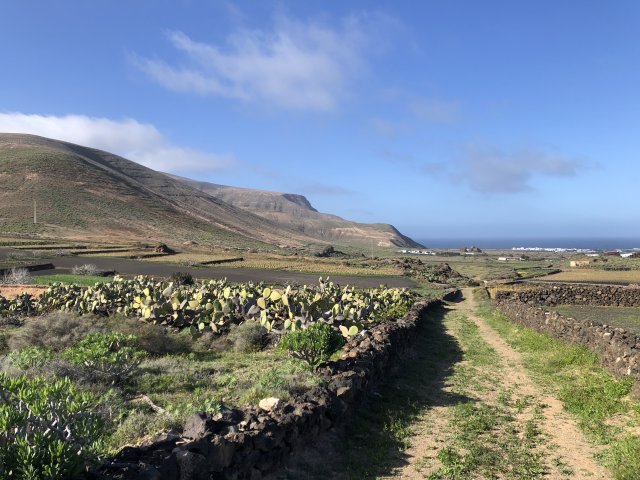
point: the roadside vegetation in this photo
(602, 404)
(443, 414)
(137, 357)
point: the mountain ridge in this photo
(84, 192)
(294, 211)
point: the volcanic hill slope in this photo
(294, 212)
(84, 193)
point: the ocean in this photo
(506, 243)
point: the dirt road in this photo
(562, 449)
(463, 406)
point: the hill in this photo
(84, 193)
(294, 212)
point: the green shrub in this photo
(247, 337)
(394, 312)
(29, 357)
(314, 345)
(46, 429)
(111, 356)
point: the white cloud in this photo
(325, 189)
(491, 170)
(297, 65)
(140, 142)
(387, 128)
(435, 110)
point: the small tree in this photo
(314, 345)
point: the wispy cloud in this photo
(397, 158)
(491, 170)
(387, 128)
(435, 110)
(296, 65)
(137, 141)
(325, 189)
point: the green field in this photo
(622, 317)
(82, 280)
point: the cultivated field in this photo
(622, 317)
(591, 275)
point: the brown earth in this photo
(12, 291)
(158, 269)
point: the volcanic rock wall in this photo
(249, 443)
(559, 294)
(618, 349)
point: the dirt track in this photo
(156, 269)
(460, 364)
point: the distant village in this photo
(463, 251)
(473, 251)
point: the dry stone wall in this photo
(618, 349)
(563, 294)
(251, 442)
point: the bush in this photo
(29, 357)
(153, 339)
(56, 330)
(113, 357)
(46, 429)
(314, 345)
(4, 345)
(86, 269)
(247, 337)
(181, 278)
(18, 276)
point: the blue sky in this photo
(448, 119)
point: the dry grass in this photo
(313, 265)
(122, 254)
(191, 257)
(267, 261)
(596, 276)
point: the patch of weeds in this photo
(137, 425)
(485, 439)
(624, 458)
(398, 428)
(29, 357)
(586, 389)
(452, 464)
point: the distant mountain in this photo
(84, 193)
(81, 192)
(294, 212)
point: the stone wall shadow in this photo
(369, 444)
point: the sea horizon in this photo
(533, 242)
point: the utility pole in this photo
(35, 213)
